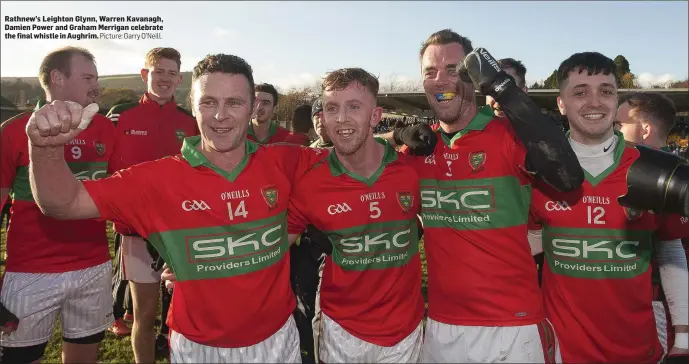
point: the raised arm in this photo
(57, 192)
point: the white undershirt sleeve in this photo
(672, 264)
(536, 241)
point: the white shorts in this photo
(282, 347)
(338, 346)
(135, 261)
(661, 323)
(82, 298)
(486, 344)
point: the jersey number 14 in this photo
(239, 211)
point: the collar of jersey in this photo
(337, 169)
(273, 129)
(191, 153)
(616, 157)
(482, 118)
(148, 101)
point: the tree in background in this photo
(294, 97)
(110, 97)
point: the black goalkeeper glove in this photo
(420, 139)
(549, 153)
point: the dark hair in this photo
(593, 62)
(301, 121)
(61, 60)
(518, 68)
(266, 87)
(156, 54)
(224, 63)
(340, 79)
(653, 107)
(446, 36)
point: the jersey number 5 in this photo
(375, 210)
(240, 211)
(595, 215)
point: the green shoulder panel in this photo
(179, 108)
(13, 119)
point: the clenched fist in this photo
(59, 122)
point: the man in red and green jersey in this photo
(475, 195)
(147, 130)
(647, 118)
(220, 218)
(596, 280)
(365, 199)
(57, 267)
(263, 129)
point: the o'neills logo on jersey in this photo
(451, 156)
(597, 257)
(406, 200)
(270, 195)
(77, 142)
(135, 132)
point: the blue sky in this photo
(295, 43)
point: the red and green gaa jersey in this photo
(372, 282)
(596, 279)
(277, 134)
(223, 234)
(40, 244)
(475, 196)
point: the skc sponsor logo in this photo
(195, 205)
(376, 242)
(228, 247)
(338, 209)
(597, 250)
(474, 199)
(557, 206)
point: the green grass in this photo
(119, 350)
(112, 350)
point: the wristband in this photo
(682, 340)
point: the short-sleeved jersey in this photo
(475, 196)
(40, 244)
(147, 131)
(276, 134)
(223, 234)
(372, 281)
(596, 279)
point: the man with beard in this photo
(475, 194)
(152, 128)
(57, 267)
(596, 280)
(365, 199)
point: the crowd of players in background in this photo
(150, 129)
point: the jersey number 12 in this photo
(599, 213)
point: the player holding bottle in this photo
(596, 280)
(367, 201)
